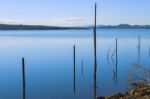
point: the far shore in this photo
(42, 27)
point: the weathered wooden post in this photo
(95, 50)
(95, 55)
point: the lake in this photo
(49, 64)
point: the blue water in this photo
(49, 62)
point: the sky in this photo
(74, 12)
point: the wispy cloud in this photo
(50, 21)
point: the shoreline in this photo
(139, 91)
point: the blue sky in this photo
(74, 12)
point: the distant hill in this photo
(41, 27)
(123, 26)
(35, 27)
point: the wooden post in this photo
(74, 61)
(23, 80)
(95, 51)
(95, 55)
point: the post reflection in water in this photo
(116, 61)
(132, 75)
(139, 49)
(23, 80)
(149, 51)
(74, 69)
(95, 86)
(108, 55)
(82, 67)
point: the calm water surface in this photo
(49, 62)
